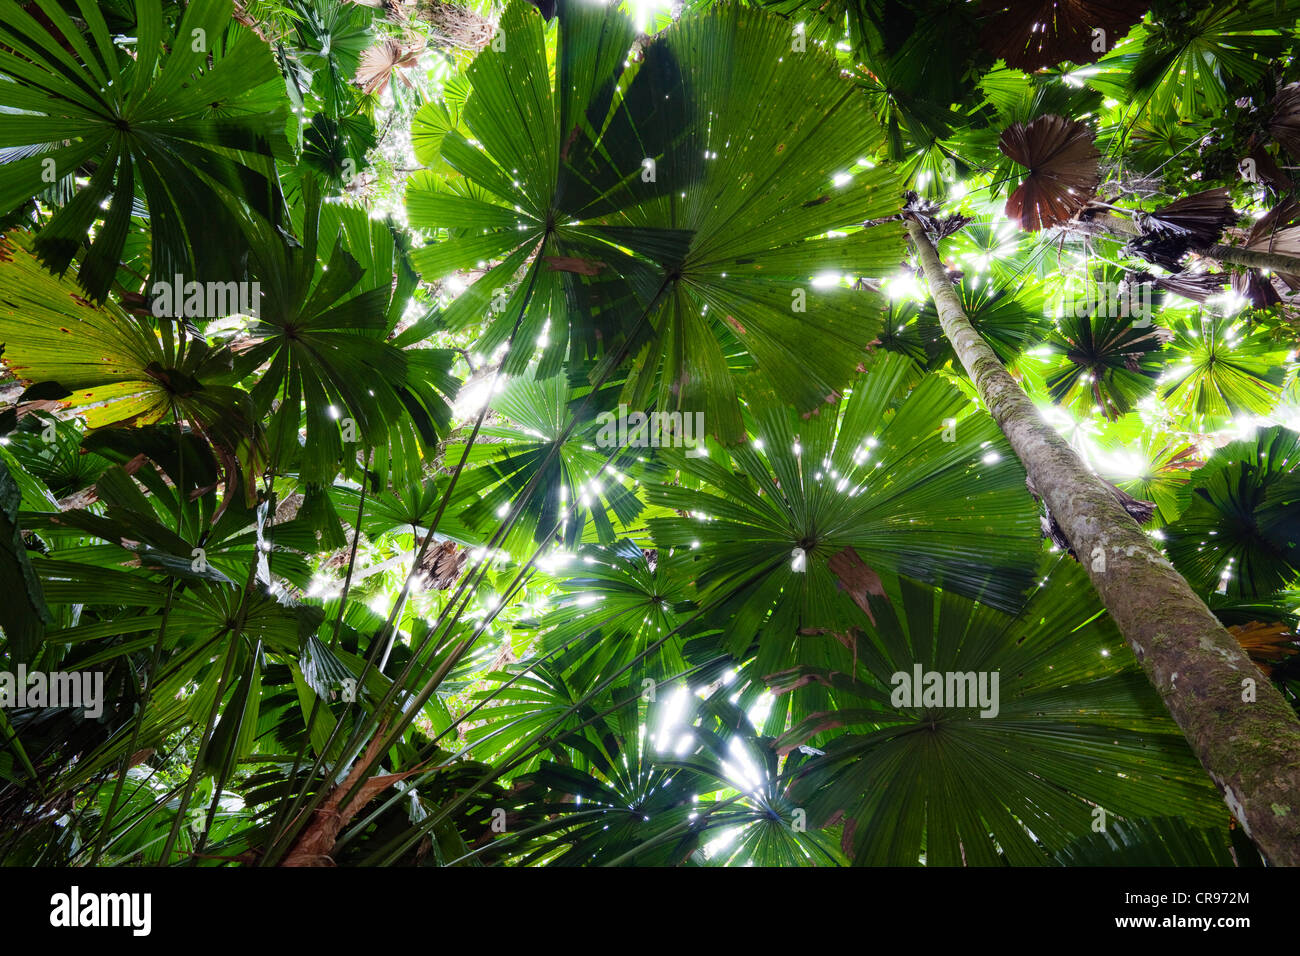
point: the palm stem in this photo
(1120, 228)
(1244, 734)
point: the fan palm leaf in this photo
(1241, 528)
(1106, 362)
(713, 267)
(578, 486)
(1218, 367)
(903, 478)
(957, 785)
(193, 136)
(329, 304)
(1156, 841)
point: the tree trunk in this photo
(1238, 725)
(455, 25)
(1119, 227)
(316, 841)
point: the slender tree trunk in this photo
(1120, 227)
(1240, 728)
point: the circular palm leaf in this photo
(1158, 471)
(1217, 368)
(618, 210)
(331, 298)
(1009, 323)
(665, 786)
(1241, 529)
(1190, 57)
(184, 118)
(613, 604)
(1106, 362)
(578, 490)
(947, 786)
(1063, 170)
(899, 478)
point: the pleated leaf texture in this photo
(1063, 170)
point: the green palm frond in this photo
(1157, 841)
(580, 490)
(191, 119)
(687, 773)
(616, 604)
(1106, 363)
(1241, 528)
(117, 369)
(708, 269)
(329, 304)
(1188, 59)
(1010, 323)
(1157, 468)
(900, 474)
(1218, 368)
(943, 784)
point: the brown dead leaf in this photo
(857, 579)
(1265, 642)
(826, 722)
(583, 267)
